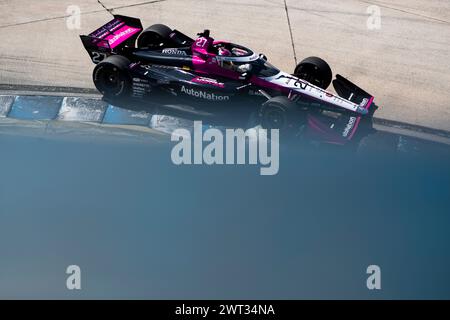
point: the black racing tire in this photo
(111, 77)
(282, 114)
(316, 71)
(154, 36)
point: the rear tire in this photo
(316, 71)
(111, 77)
(155, 36)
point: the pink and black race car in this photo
(132, 62)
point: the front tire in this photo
(282, 114)
(316, 71)
(111, 77)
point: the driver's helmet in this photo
(238, 67)
(224, 52)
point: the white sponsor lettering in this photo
(120, 35)
(174, 52)
(349, 126)
(204, 95)
(209, 81)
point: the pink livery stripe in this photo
(121, 35)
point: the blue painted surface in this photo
(116, 115)
(35, 108)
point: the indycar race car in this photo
(132, 62)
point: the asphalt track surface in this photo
(404, 63)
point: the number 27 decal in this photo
(201, 42)
(98, 56)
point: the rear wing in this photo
(120, 32)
